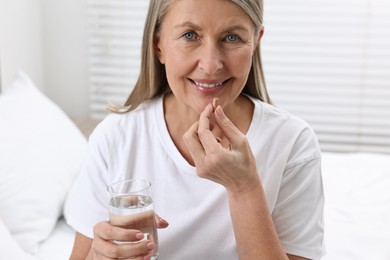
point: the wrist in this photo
(248, 189)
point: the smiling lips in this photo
(205, 85)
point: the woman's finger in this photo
(230, 131)
(106, 231)
(161, 223)
(191, 139)
(111, 242)
(206, 137)
(112, 250)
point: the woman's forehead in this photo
(199, 11)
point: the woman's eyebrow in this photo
(196, 27)
(238, 27)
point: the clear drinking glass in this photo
(131, 206)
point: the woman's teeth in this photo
(204, 85)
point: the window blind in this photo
(326, 61)
(115, 30)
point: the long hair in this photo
(152, 80)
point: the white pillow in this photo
(10, 249)
(41, 151)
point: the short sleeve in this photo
(87, 202)
(298, 213)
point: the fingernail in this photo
(215, 103)
(162, 220)
(150, 246)
(139, 235)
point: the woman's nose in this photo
(210, 59)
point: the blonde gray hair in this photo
(152, 80)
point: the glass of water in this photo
(131, 206)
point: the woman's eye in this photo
(189, 36)
(232, 38)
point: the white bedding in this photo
(357, 206)
(41, 153)
(59, 245)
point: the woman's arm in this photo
(253, 227)
(235, 168)
(81, 247)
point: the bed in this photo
(42, 150)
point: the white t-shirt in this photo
(137, 145)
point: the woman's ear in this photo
(261, 33)
(157, 49)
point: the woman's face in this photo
(207, 48)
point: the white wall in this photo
(65, 54)
(47, 39)
(20, 40)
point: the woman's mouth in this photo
(205, 85)
(208, 86)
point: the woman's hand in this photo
(103, 246)
(231, 165)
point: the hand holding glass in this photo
(131, 207)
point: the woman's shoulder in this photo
(117, 124)
(272, 114)
(287, 130)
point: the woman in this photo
(237, 180)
